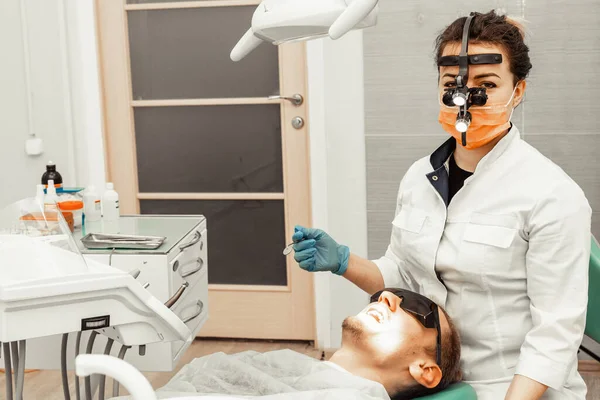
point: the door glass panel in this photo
(245, 238)
(217, 149)
(184, 53)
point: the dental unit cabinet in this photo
(176, 274)
(50, 291)
(59, 299)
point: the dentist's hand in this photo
(319, 252)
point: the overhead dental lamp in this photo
(285, 21)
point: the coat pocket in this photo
(410, 219)
(497, 236)
(488, 245)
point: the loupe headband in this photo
(461, 95)
(463, 59)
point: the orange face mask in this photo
(487, 123)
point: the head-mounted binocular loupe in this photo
(461, 95)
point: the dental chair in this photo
(458, 391)
(592, 323)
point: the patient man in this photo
(387, 352)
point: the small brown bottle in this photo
(52, 174)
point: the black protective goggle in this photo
(420, 307)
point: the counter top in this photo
(173, 227)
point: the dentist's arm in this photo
(364, 274)
(557, 264)
(316, 251)
(524, 388)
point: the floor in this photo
(46, 385)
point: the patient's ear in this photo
(426, 373)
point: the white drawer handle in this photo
(200, 305)
(196, 239)
(200, 263)
(171, 302)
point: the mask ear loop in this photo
(511, 99)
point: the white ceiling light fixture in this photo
(285, 21)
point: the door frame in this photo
(121, 161)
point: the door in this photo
(188, 131)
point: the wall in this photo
(65, 99)
(401, 81)
(50, 116)
(85, 89)
(336, 117)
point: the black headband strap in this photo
(463, 59)
(474, 59)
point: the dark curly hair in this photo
(451, 372)
(495, 29)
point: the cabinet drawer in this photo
(193, 310)
(190, 263)
(152, 267)
(194, 302)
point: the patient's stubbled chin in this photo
(362, 329)
(354, 328)
(381, 341)
(362, 324)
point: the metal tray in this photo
(132, 242)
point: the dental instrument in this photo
(284, 21)
(288, 249)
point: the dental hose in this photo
(63, 366)
(88, 379)
(8, 371)
(115, 382)
(107, 349)
(77, 344)
(22, 355)
(14, 346)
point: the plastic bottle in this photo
(52, 174)
(51, 198)
(110, 204)
(92, 206)
(40, 195)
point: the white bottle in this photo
(40, 195)
(51, 199)
(110, 203)
(92, 206)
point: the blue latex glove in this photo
(319, 252)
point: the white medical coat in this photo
(508, 258)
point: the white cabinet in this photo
(177, 270)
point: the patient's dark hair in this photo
(450, 367)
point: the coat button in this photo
(435, 178)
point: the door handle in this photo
(295, 99)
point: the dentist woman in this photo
(487, 227)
